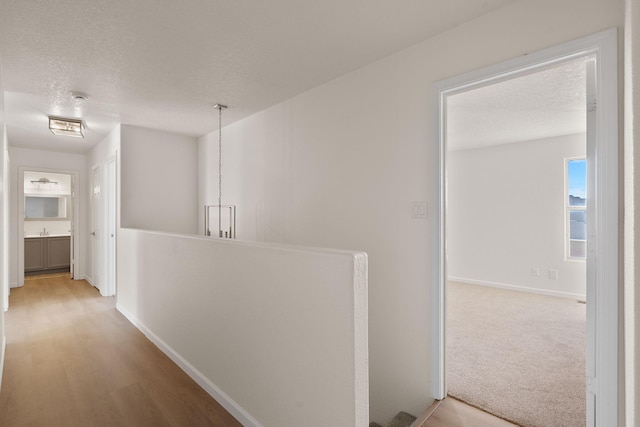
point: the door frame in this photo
(602, 265)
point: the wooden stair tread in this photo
(402, 419)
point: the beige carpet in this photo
(517, 355)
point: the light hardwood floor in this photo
(453, 413)
(73, 360)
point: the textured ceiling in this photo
(548, 103)
(163, 64)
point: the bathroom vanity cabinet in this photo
(47, 254)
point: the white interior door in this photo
(95, 227)
(72, 227)
(110, 227)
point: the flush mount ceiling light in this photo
(69, 127)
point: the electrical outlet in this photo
(553, 274)
(535, 271)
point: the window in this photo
(576, 211)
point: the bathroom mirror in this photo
(45, 207)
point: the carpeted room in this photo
(517, 355)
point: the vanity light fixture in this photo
(44, 181)
(69, 127)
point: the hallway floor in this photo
(73, 360)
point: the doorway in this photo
(602, 257)
(46, 225)
(516, 258)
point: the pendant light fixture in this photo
(226, 213)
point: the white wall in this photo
(4, 227)
(506, 215)
(46, 160)
(4, 213)
(59, 183)
(159, 172)
(277, 334)
(340, 165)
(632, 213)
(102, 152)
(34, 228)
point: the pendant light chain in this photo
(220, 107)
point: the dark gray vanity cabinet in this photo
(34, 254)
(47, 254)
(58, 252)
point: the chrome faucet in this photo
(44, 232)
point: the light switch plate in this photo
(419, 210)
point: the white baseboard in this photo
(3, 346)
(580, 297)
(92, 283)
(214, 391)
(14, 285)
